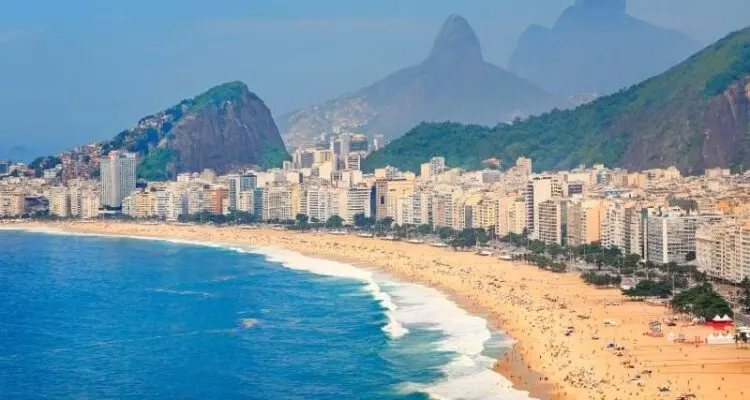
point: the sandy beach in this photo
(535, 307)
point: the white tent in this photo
(720, 339)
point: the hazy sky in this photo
(74, 71)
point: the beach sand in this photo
(535, 307)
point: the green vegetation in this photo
(273, 157)
(158, 165)
(544, 262)
(654, 123)
(41, 163)
(649, 288)
(234, 217)
(469, 237)
(702, 301)
(739, 65)
(335, 222)
(592, 278)
(360, 221)
(217, 95)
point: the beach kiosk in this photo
(654, 329)
(721, 323)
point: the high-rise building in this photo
(511, 216)
(552, 223)
(387, 192)
(4, 167)
(538, 190)
(90, 205)
(321, 202)
(357, 202)
(670, 237)
(442, 210)
(59, 201)
(303, 158)
(353, 162)
(429, 171)
(584, 222)
(358, 144)
(524, 166)
(238, 184)
(281, 202)
(117, 177)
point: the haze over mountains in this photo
(595, 46)
(453, 83)
(694, 116)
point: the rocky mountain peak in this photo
(613, 6)
(456, 41)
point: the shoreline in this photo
(534, 307)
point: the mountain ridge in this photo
(694, 116)
(222, 128)
(452, 83)
(595, 46)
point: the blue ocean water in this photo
(88, 317)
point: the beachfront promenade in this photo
(574, 341)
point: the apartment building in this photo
(584, 222)
(671, 236)
(281, 202)
(387, 192)
(552, 221)
(722, 249)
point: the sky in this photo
(76, 71)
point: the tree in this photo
(702, 301)
(690, 256)
(424, 229)
(647, 288)
(301, 221)
(386, 222)
(401, 230)
(744, 296)
(334, 222)
(537, 246)
(554, 249)
(481, 236)
(361, 221)
(445, 232)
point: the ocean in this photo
(87, 317)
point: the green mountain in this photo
(224, 128)
(694, 116)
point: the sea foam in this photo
(469, 374)
(297, 261)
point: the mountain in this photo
(596, 47)
(694, 116)
(453, 83)
(222, 129)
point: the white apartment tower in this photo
(239, 184)
(117, 177)
(538, 190)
